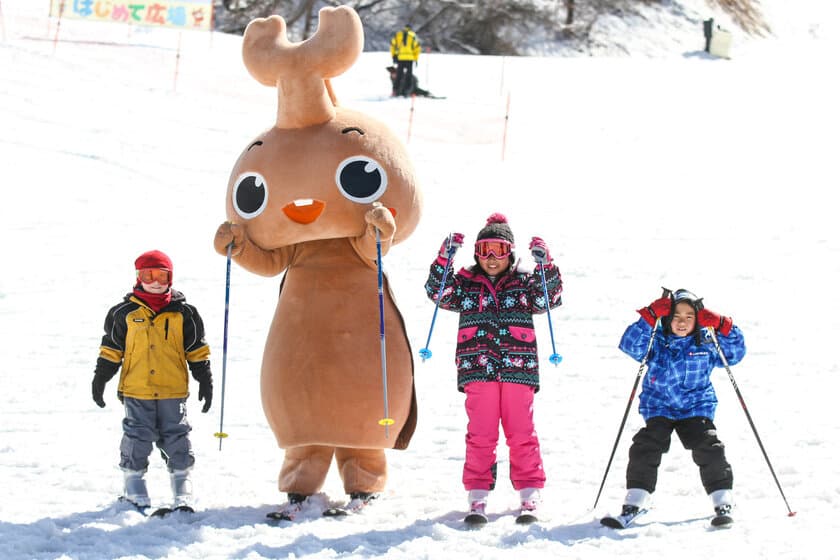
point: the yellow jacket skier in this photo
(405, 52)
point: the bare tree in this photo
(746, 14)
(466, 26)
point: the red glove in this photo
(659, 308)
(539, 251)
(706, 318)
(451, 244)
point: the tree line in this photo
(491, 27)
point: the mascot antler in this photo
(301, 71)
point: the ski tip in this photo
(335, 512)
(161, 512)
(612, 523)
(474, 521)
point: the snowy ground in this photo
(640, 172)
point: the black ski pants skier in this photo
(697, 434)
(405, 77)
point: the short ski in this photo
(627, 518)
(335, 512)
(165, 511)
(526, 518)
(358, 502)
(143, 510)
(722, 518)
(280, 516)
(160, 512)
(475, 520)
(288, 512)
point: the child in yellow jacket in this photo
(153, 336)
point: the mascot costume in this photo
(320, 196)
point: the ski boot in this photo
(181, 490)
(635, 504)
(290, 510)
(478, 502)
(135, 491)
(530, 499)
(358, 502)
(722, 501)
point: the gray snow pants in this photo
(161, 422)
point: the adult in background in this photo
(405, 51)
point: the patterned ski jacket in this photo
(153, 349)
(678, 383)
(496, 338)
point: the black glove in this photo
(102, 374)
(98, 389)
(395, 59)
(205, 393)
(201, 373)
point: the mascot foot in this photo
(289, 511)
(358, 502)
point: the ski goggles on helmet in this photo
(149, 275)
(499, 248)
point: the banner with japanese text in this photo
(180, 14)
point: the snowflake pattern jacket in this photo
(678, 381)
(496, 337)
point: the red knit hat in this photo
(154, 259)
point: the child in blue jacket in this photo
(677, 395)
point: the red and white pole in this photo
(410, 118)
(504, 133)
(177, 63)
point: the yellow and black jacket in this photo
(153, 349)
(405, 45)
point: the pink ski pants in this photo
(487, 404)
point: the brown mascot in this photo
(307, 197)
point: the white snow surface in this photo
(640, 171)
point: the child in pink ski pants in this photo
(496, 355)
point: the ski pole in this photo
(627, 409)
(221, 433)
(723, 359)
(425, 353)
(665, 293)
(386, 420)
(555, 358)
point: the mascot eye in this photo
(250, 195)
(361, 179)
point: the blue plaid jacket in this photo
(677, 384)
(496, 337)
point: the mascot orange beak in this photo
(304, 211)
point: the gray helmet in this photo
(683, 296)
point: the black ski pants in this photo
(405, 77)
(698, 434)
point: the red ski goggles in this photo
(498, 248)
(149, 275)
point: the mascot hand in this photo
(229, 233)
(381, 218)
